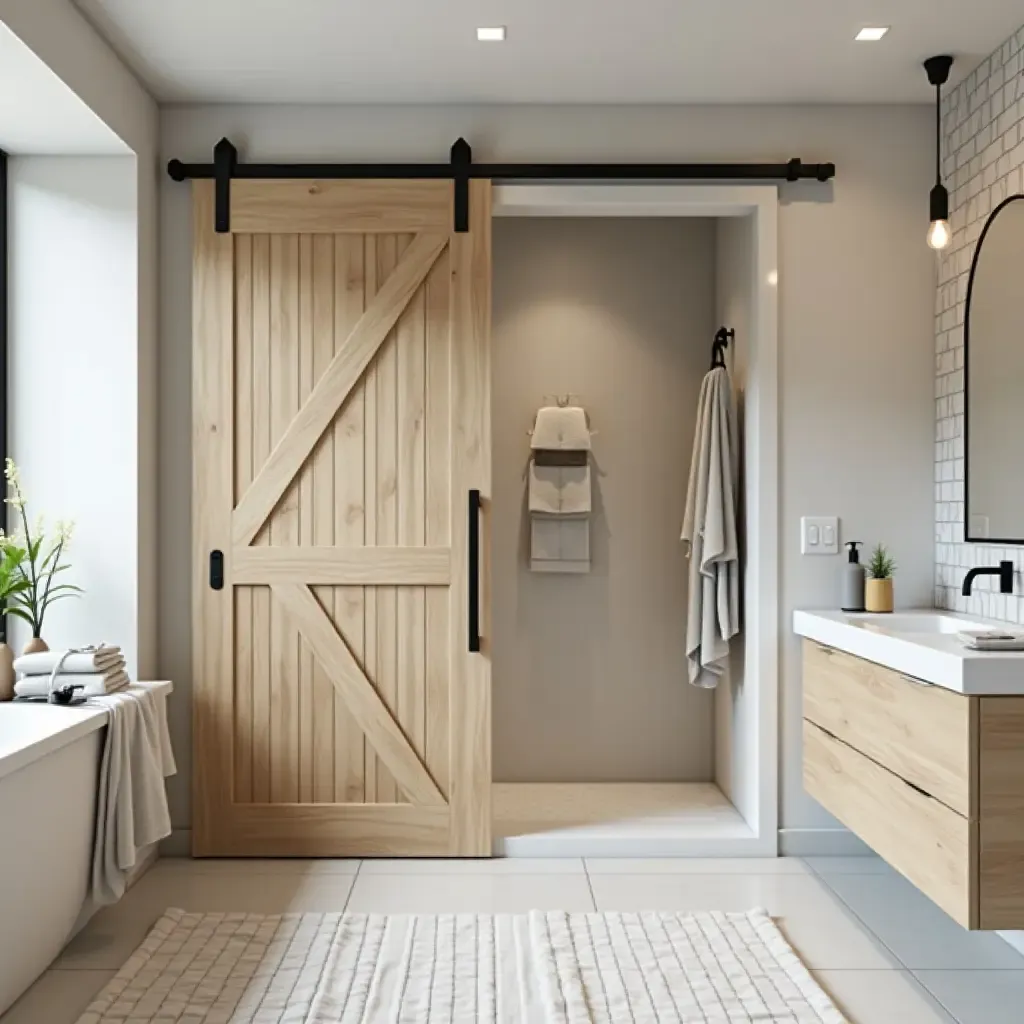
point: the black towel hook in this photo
(722, 338)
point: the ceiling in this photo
(39, 114)
(557, 51)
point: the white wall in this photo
(736, 719)
(983, 160)
(57, 32)
(74, 379)
(856, 289)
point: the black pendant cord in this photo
(460, 170)
(938, 133)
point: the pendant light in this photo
(939, 232)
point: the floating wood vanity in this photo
(929, 778)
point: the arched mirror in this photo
(994, 347)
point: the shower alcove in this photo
(601, 747)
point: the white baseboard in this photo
(177, 844)
(821, 842)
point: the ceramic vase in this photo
(35, 646)
(6, 672)
(878, 596)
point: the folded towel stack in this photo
(97, 670)
(559, 490)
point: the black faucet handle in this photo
(1006, 577)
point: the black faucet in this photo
(1004, 571)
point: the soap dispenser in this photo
(853, 580)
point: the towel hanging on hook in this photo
(722, 338)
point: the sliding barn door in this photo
(341, 415)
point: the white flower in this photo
(16, 498)
(65, 530)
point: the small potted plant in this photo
(37, 562)
(12, 582)
(878, 596)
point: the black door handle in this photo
(474, 571)
(217, 570)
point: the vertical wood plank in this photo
(212, 487)
(349, 513)
(370, 492)
(306, 511)
(322, 696)
(470, 717)
(284, 527)
(387, 512)
(411, 670)
(261, 434)
(243, 435)
(437, 514)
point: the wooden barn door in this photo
(341, 413)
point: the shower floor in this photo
(606, 819)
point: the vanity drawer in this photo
(918, 835)
(921, 732)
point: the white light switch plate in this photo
(819, 535)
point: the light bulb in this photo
(939, 234)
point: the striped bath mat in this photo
(537, 968)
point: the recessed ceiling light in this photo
(871, 35)
(496, 34)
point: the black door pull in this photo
(217, 570)
(474, 571)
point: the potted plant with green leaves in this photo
(878, 592)
(11, 583)
(38, 557)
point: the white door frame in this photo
(761, 584)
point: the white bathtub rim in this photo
(56, 728)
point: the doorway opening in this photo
(601, 746)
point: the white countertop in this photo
(30, 731)
(921, 643)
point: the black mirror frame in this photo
(968, 539)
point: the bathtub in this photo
(49, 765)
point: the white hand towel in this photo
(560, 490)
(131, 810)
(93, 684)
(559, 543)
(561, 428)
(44, 662)
(709, 528)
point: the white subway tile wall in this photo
(983, 163)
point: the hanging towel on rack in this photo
(709, 530)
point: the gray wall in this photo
(856, 296)
(590, 670)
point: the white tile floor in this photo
(883, 952)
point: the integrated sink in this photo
(922, 644)
(917, 622)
